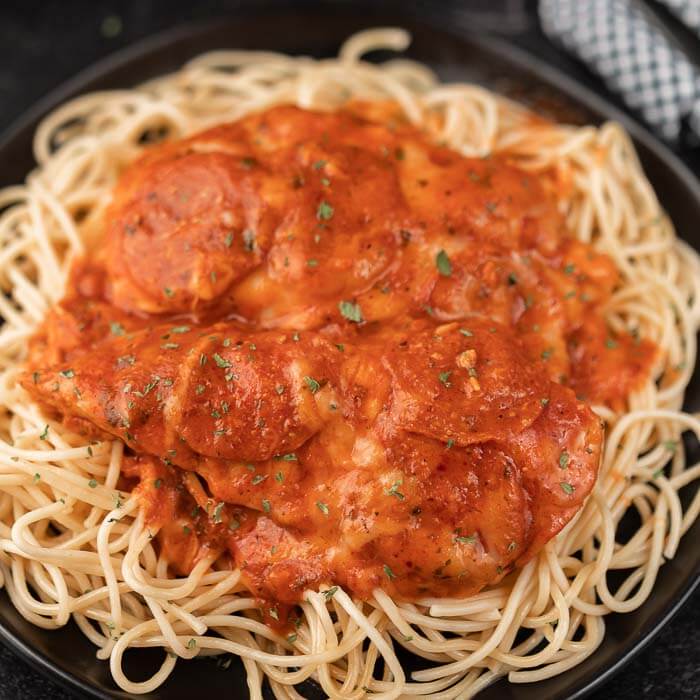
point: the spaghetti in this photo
(72, 545)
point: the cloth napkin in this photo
(635, 58)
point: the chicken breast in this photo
(340, 354)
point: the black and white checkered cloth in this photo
(634, 57)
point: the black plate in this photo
(66, 654)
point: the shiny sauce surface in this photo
(340, 354)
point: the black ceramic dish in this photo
(66, 654)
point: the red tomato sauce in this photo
(340, 354)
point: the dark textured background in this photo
(43, 43)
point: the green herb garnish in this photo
(443, 264)
(351, 311)
(325, 211)
(313, 385)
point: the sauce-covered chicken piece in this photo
(284, 216)
(329, 447)
(212, 392)
(340, 354)
(247, 216)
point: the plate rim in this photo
(81, 83)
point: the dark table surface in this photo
(45, 42)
